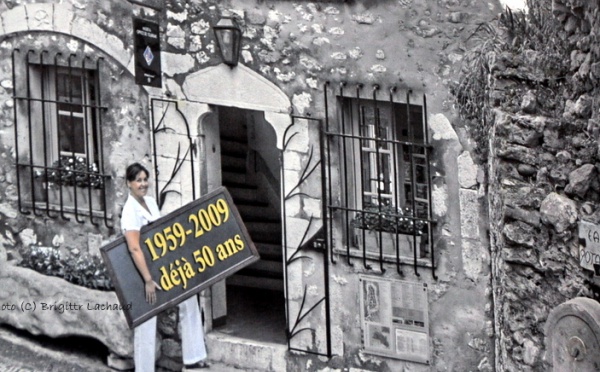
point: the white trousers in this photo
(190, 329)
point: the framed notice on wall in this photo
(395, 318)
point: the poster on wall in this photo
(395, 318)
(146, 42)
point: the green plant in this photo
(44, 260)
(72, 171)
(388, 218)
(85, 270)
(503, 50)
(88, 271)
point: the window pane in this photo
(421, 173)
(71, 134)
(69, 87)
(422, 191)
(67, 108)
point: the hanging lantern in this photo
(229, 36)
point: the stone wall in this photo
(296, 47)
(543, 181)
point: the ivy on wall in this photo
(497, 51)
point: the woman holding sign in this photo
(139, 210)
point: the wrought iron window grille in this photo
(58, 136)
(380, 207)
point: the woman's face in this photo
(139, 186)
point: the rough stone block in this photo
(439, 196)
(300, 142)
(171, 348)
(519, 233)
(441, 128)
(467, 171)
(519, 153)
(176, 63)
(581, 179)
(292, 160)
(531, 217)
(40, 17)
(295, 288)
(3, 255)
(63, 16)
(469, 214)
(118, 363)
(15, 20)
(248, 355)
(72, 312)
(312, 207)
(559, 211)
(94, 244)
(291, 181)
(474, 257)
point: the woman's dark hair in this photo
(133, 170)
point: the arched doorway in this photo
(240, 149)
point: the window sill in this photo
(357, 254)
(53, 208)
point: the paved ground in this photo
(20, 352)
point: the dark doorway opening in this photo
(250, 171)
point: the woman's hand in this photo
(151, 287)
(133, 244)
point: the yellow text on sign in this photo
(181, 270)
(174, 236)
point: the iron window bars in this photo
(57, 120)
(381, 200)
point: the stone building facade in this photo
(414, 296)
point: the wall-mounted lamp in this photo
(228, 35)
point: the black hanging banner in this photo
(146, 41)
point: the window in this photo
(57, 129)
(384, 211)
(68, 97)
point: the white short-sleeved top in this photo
(135, 216)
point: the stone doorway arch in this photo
(241, 98)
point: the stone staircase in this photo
(250, 356)
(261, 218)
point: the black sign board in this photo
(146, 43)
(186, 251)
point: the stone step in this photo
(264, 269)
(234, 146)
(265, 232)
(235, 179)
(258, 213)
(269, 251)
(233, 164)
(245, 354)
(245, 195)
(248, 281)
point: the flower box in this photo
(387, 243)
(85, 197)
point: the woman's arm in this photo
(133, 244)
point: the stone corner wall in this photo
(543, 183)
